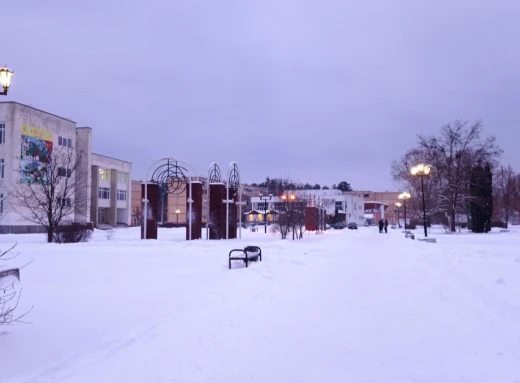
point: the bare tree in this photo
(9, 296)
(136, 215)
(46, 192)
(404, 181)
(506, 191)
(452, 154)
(109, 234)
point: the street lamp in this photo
(177, 211)
(398, 206)
(266, 198)
(422, 171)
(5, 79)
(403, 197)
(289, 198)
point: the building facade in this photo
(31, 137)
(380, 205)
(341, 207)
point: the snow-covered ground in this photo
(345, 306)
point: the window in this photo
(62, 172)
(104, 193)
(2, 166)
(65, 142)
(204, 208)
(1, 204)
(121, 195)
(64, 202)
(2, 132)
(262, 206)
(122, 178)
(104, 174)
(339, 205)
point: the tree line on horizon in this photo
(275, 185)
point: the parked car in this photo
(352, 226)
(339, 226)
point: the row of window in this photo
(62, 172)
(104, 175)
(104, 193)
(65, 142)
(62, 141)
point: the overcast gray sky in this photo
(322, 90)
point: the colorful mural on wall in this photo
(36, 151)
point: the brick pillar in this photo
(311, 218)
(217, 211)
(153, 210)
(196, 210)
(233, 213)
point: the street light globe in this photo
(398, 204)
(420, 170)
(405, 195)
(292, 197)
(284, 197)
(177, 211)
(5, 78)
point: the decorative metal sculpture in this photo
(171, 177)
(214, 175)
(233, 181)
(233, 175)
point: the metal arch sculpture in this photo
(233, 180)
(233, 175)
(168, 171)
(214, 174)
(171, 176)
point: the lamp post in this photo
(5, 79)
(289, 198)
(404, 197)
(266, 198)
(398, 206)
(177, 211)
(422, 171)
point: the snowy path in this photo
(346, 306)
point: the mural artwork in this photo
(36, 151)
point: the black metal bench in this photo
(247, 254)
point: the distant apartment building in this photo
(29, 137)
(344, 208)
(379, 205)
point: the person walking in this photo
(381, 225)
(386, 226)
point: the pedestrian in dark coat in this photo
(381, 225)
(386, 226)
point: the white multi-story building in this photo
(349, 208)
(26, 132)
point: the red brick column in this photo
(311, 218)
(217, 211)
(153, 211)
(196, 210)
(233, 213)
